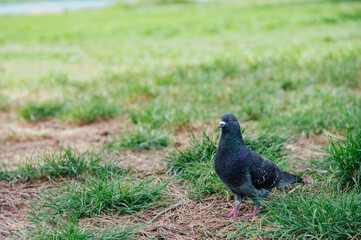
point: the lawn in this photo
(139, 90)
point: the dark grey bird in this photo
(243, 171)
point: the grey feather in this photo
(244, 172)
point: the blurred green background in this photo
(275, 64)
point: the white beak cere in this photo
(221, 124)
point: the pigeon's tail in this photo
(288, 178)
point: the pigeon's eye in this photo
(230, 120)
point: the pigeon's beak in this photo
(221, 124)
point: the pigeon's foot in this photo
(255, 211)
(233, 213)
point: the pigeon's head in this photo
(229, 123)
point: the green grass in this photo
(140, 138)
(167, 65)
(4, 172)
(194, 166)
(58, 213)
(40, 111)
(344, 158)
(90, 108)
(66, 162)
(202, 149)
(323, 212)
(102, 194)
(159, 114)
(86, 110)
(73, 230)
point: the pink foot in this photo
(233, 213)
(255, 211)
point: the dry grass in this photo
(15, 201)
(185, 219)
(53, 134)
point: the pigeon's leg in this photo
(255, 211)
(234, 211)
(257, 201)
(256, 208)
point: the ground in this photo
(186, 218)
(134, 81)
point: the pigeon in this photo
(243, 171)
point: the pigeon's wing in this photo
(264, 173)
